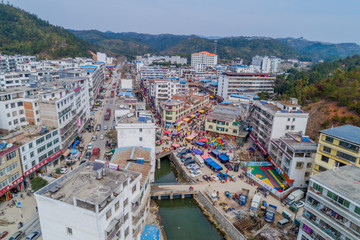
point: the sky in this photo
(319, 20)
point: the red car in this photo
(3, 234)
(228, 166)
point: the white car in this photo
(90, 146)
(63, 170)
(195, 168)
(105, 127)
(94, 138)
(190, 166)
(299, 204)
(101, 137)
(196, 173)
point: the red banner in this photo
(10, 186)
(42, 163)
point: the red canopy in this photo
(204, 140)
(176, 145)
(167, 131)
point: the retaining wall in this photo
(219, 217)
(178, 164)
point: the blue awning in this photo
(241, 89)
(200, 143)
(183, 81)
(196, 114)
(215, 152)
(226, 102)
(223, 158)
(212, 164)
(197, 151)
(215, 84)
(238, 96)
(205, 80)
(256, 97)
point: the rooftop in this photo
(249, 74)
(347, 132)
(344, 180)
(134, 117)
(299, 142)
(82, 184)
(222, 116)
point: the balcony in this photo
(319, 229)
(114, 227)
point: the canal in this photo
(183, 219)
(166, 173)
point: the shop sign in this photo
(10, 186)
(42, 163)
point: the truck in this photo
(95, 154)
(255, 203)
(294, 196)
(270, 213)
(243, 196)
(112, 93)
(199, 160)
(213, 196)
(107, 114)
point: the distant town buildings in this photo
(332, 206)
(266, 64)
(338, 146)
(200, 61)
(11, 63)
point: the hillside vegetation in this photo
(330, 92)
(26, 34)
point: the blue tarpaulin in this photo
(198, 152)
(215, 152)
(238, 96)
(226, 102)
(223, 158)
(183, 81)
(212, 164)
(205, 80)
(151, 232)
(200, 143)
(196, 114)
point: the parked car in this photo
(228, 166)
(33, 235)
(87, 155)
(95, 109)
(283, 223)
(94, 138)
(90, 146)
(82, 162)
(17, 236)
(190, 166)
(299, 204)
(98, 127)
(195, 174)
(3, 234)
(101, 137)
(196, 167)
(105, 127)
(63, 170)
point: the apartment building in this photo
(11, 175)
(244, 69)
(91, 202)
(10, 63)
(151, 72)
(267, 64)
(40, 151)
(270, 120)
(66, 106)
(332, 206)
(19, 107)
(232, 83)
(181, 106)
(200, 61)
(294, 155)
(226, 122)
(337, 147)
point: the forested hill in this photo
(26, 34)
(131, 44)
(330, 92)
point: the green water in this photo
(166, 173)
(182, 219)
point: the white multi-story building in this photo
(267, 64)
(101, 57)
(244, 69)
(19, 108)
(138, 128)
(40, 148)
(294, 155)
(153, 72)
(232, 83)
(91, 202)
(126, 84)
(10, 63)
(271, 120)
(202, 60)
(66, 107)
(332, 206)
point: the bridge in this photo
(161, 155)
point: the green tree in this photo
(264, 95)
(38, 183)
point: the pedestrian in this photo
(36, 208)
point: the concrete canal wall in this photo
(220, 218)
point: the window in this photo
(7, 106)
(140, 129)
(288, 119)
(8, 115)
(56, 141)
(322, 169)
(349, 146)
(55, 133)
(11, 155)
(287, 127)
(30, 145)
(134, 189)
(12, 105)
(307, 174)
(40, 149)
(318, 187)
(48, 136)
(140, 139)
(69, 231)
(40, 140)
(234, 131)
(357, 210)
(43, 157)
(10, 123)
(329, 139)
(117, 205)
(327, 149)
(324, 158)
(346, 156)
(210, 127)
(16, 121)
(308, 165)
(49, 145)
(292, 127)
(126, 202)
(108, 214)
(299, 165)
(32, 154)
(33, 163)
(20, 104)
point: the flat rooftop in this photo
(222, 116)
(30, 133)
(82, 184)
(347, 132)
(144, 117)
(344, 180)
(299, 142)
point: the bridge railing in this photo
(173, 183)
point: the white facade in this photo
(203, 59)
(10, 63)
(80, 216)
(126, 83)
(271, 120)
(101, 57)
(332, 206)
(267, 64)
(294, 154)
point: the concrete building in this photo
(10, 63)
(126, 84)
(137, 129)
(271, 120)
(232, 83)
(91, 202)
(151, 72)
(101, 57)
(11, 175)
(200, 61)
(20, 108)
(332, 206)
(294, 155)
(66, 107)
(267, 64)
(337, 147)
(182, 106)
(40, 151)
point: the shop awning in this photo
(192, 116)
(176, 145)
(186, 119)
(196, 114)
(174, 133)
(201, 111)
(191, 137)
(204, 140)
(66, 153)
(200, 143)
(166, 131)
(197, 151)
